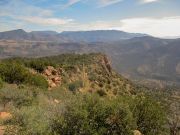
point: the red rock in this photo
(47, 72)
(5, 115)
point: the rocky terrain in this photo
(53, 76)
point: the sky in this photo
(160, 18)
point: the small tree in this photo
(13, 72)
(75, 85)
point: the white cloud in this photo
(160, 27)
(23, 13)
(45, 21)
(97, 25)
(100, 3)
(70, 3)
(148, 1)
(104, 3)
(20, 8)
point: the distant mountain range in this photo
(69, 36)
(32, 36)
(99, 35)
(142, 58)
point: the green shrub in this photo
(29, 121)
(101, 92)
(92, 116)
(18, 97)
(38, 64)
(75, 85)
(37, 80)
(13, 72)
(149, 115)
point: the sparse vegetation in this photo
(108, 105)
(84, 114)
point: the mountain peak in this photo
(17, 30)
(18, 34)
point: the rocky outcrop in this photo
(53, 76)
(106, 64)
(137, 132)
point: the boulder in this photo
(5, 115)
(56, 79)
(137, 132)
(52, 85)
(50, 68)
(56, 101)
(53, 76)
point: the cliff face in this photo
(106, 63)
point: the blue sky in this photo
(156, 17)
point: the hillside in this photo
(92, 73)
(87, 97)
(148, 60)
